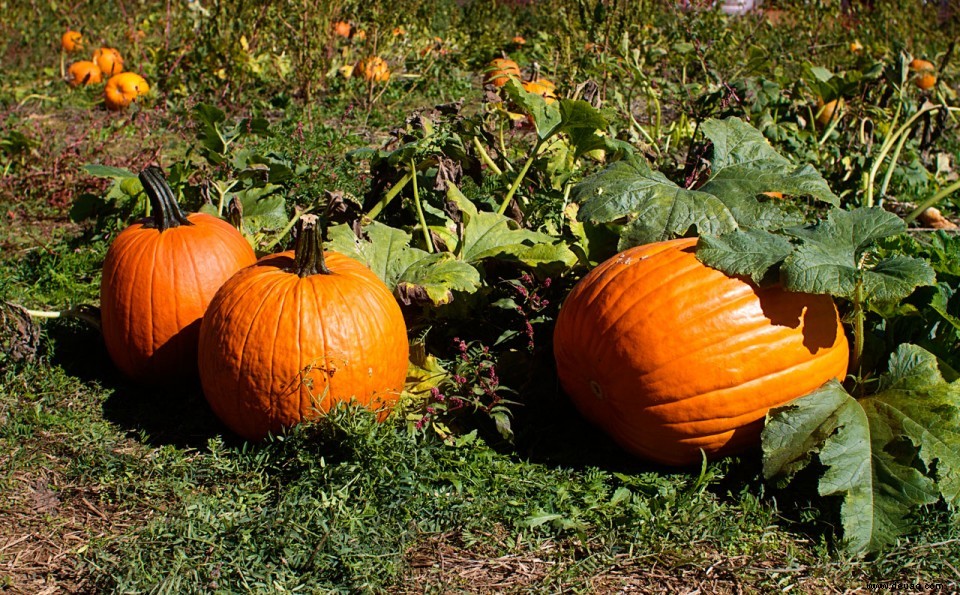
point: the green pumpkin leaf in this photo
(831, 259)
(915, 402)
(748, 253)
(263, 208)
(487, 235)
(546, 117)
(743, 166)
(413, 275)
(658, 208)
(884, 455)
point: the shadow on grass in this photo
(551, 431)
(156, 416)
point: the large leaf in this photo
(830, 258)
(658, 208)
(546, 117)
(915, 402)
(884, 454)
(412, 274)
(745, 165)
(263, 208)
(487, 235)
(748, 252)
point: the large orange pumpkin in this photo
(287, 338)
(501, 70)
(158, 277)
(669, 356)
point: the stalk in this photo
(485, 157)
(166, 211)
(84, 312)
(416, 201)
(389, 196)
(519, 178)
(308, 253)
(858, 331)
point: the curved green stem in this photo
(286, 229)
(893, 165)
(416, 201)
(390, 195)
(485, 157)
(519, 179)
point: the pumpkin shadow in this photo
(550, 431)
(791, 309)
(160, 416)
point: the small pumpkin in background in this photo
(71, 41)
(373, 69)
(542, 87)
(829, 110)
(84, 72)
(109, 60)
(286, 339)
(501, 70)
(159, 275)
(924, 73)
(342, 29)
(669, 356)
(123, 89)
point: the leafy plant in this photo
(884, 454)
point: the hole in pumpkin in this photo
(595, 387)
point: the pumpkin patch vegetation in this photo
(158, 276)
(669, 356)
(286, 339)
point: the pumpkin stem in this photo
(309, 248)
(166, 211)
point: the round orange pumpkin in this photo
(501, 70)
(71, 41)
(109, 60)
(669, 356)
(83, 72)
(287, 338)
(158, 277)
(374, 69)
(122, 89)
